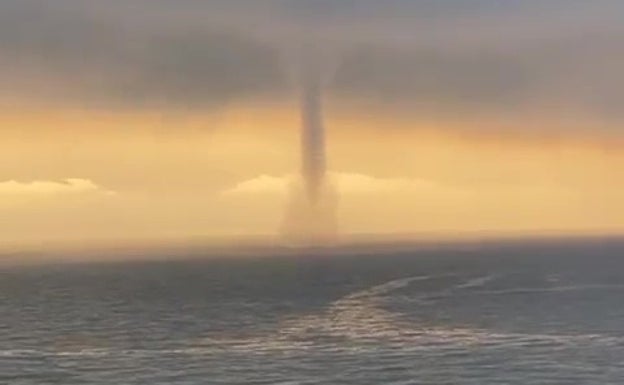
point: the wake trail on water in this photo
(359, 321)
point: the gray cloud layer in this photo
(435, 55)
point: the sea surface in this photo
(495, 313)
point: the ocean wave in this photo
(555, 289)
(389, 287)
(426, 340)
(476, 282)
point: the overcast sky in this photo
(469, 57)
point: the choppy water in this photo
(497, 314)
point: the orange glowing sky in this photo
(149, 175)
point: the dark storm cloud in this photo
(195, 68)
(478, 55)
(579, 73)
(433, 79)
(106, 59)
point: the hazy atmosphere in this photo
(311, 192)
(143, 119)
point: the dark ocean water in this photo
(547, 313)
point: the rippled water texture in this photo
(494, 314)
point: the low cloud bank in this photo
(51, 188)
(346, 183)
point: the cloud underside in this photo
(436, 56)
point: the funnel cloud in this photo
(314, 158)
(311, 216)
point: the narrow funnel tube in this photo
(313, 133)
